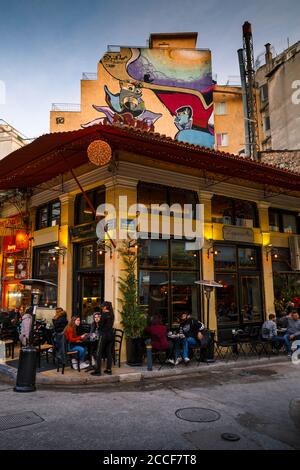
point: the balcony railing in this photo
(67, 107)
(89, 76)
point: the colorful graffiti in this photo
(166, 89)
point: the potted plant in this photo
(133, 318)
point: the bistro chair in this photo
(161, 356)
(117, 346)
(9, 347)
(226, 345)
(63, 355)
(43, 347)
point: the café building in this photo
(251, 224)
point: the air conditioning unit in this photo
(294, 242)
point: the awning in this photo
(45, 158)
(53, 154)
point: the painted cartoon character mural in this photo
(171, 89)
(126, 106)
(184, 118)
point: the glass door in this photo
(91, 294)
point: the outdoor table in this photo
(281, 331)
(177, 337)
(90, 343)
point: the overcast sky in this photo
(45, 45)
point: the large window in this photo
(83, 212)
(48, 215)
(45, 267)
(283, 221)
(230, 211)
(286, 281)
(149, 194)
(167, 275)
(238, 270)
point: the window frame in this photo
(281, 213)
(49, 207)
(169, 270)
(233, 203)
(218, 106)
(168, 193)
(92, 194)
(36, 272)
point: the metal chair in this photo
(62, 353)
(226, 341)
(117, 346)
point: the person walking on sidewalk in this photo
(105, 343)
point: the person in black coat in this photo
(94, 336)
(106, 338)
(59, 320)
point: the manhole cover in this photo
(246, 373)
(227, 436)
(197, 415)
(19, 420)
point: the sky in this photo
(45, 45)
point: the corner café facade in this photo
(241, 199)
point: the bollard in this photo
(149, 354)
(26, 370)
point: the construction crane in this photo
(246, 61)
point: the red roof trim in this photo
(53, 154)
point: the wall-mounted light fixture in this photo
(59, 251)
(270, 251)
(211, 250)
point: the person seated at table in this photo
(158, 332)
(293, 331)
(59, 320)
(104, 348)
(269, 331)
(15, 315)
(190, 328)
(74, 340)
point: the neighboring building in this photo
(278, 81)
(251, 217)
(10, 139)
(229, 119)
(285, 159)
(167, 85)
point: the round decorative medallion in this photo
(99, 152)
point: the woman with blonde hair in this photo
(74, 339)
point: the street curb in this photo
(9, 374)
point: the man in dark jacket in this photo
(293, 331)
(190, 327)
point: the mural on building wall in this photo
(172, 87)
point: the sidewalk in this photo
(126, 374)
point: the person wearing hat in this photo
(193, 331)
